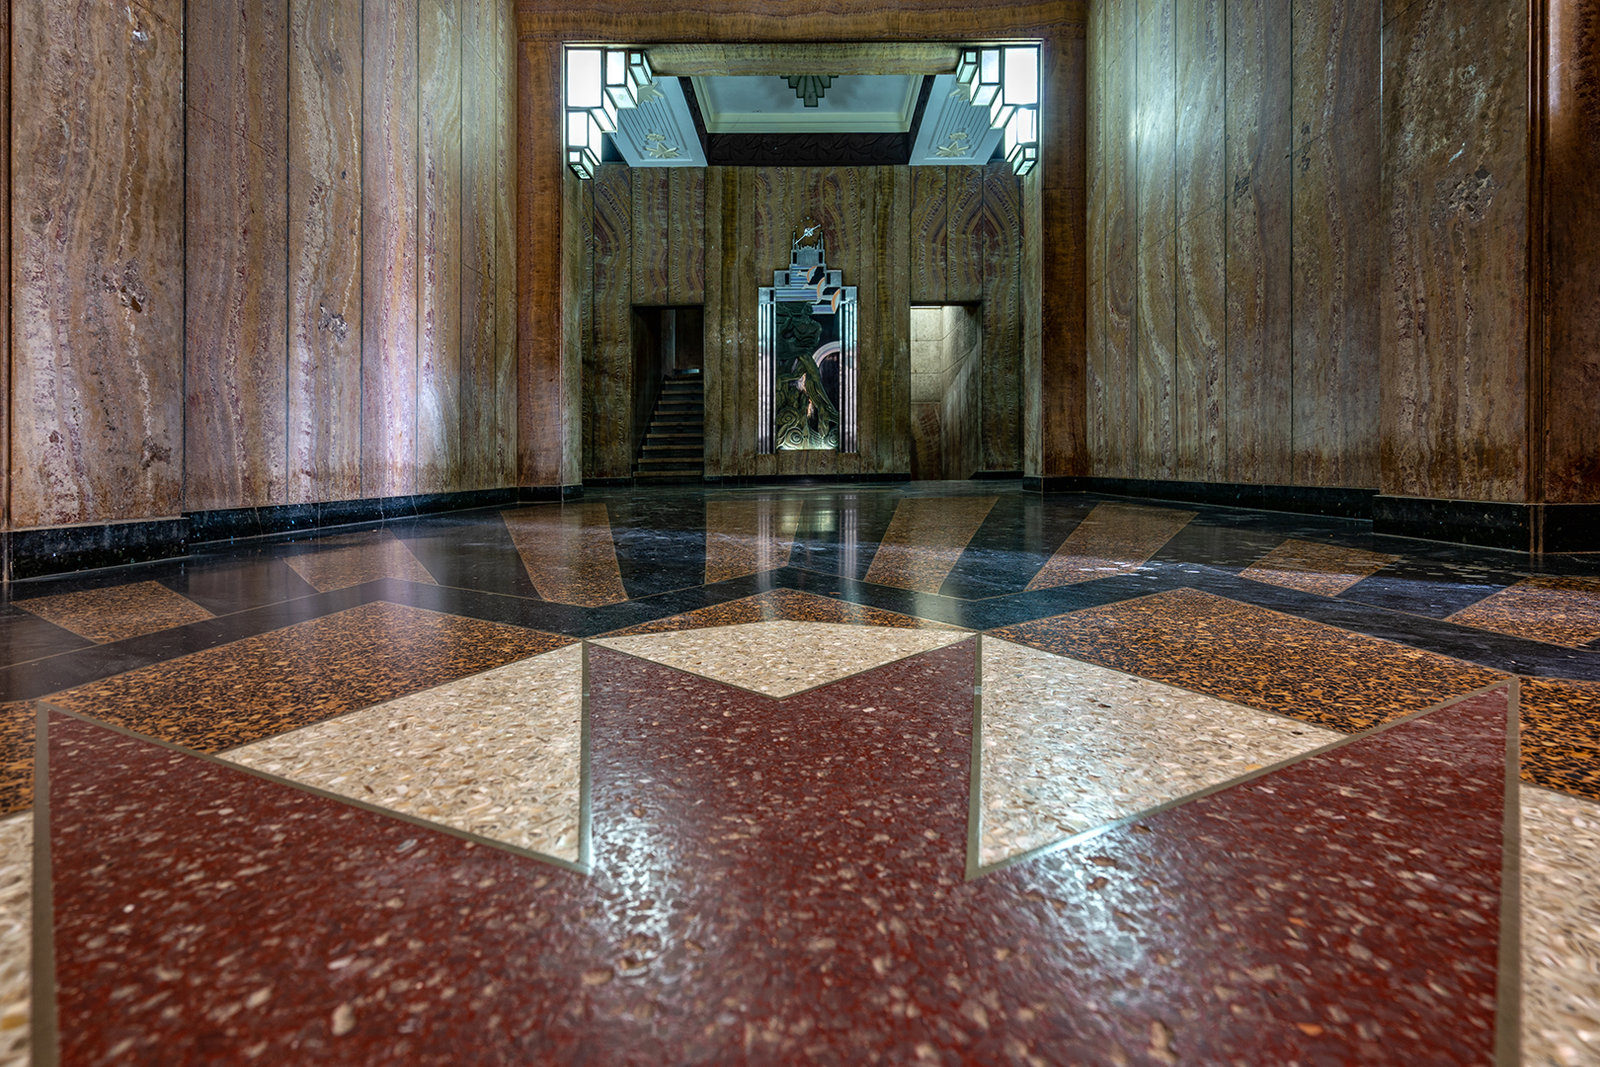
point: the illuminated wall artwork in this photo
(807, 363)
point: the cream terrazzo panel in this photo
(497, 754)
(1068, 746)
(749, 536)
(781, 658)
(16, 929)
(1311, 567)
(1112, 539)
(925, 540)
(569, 552)
(353, 559)
(1560, 929)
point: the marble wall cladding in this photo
(506, 385)
(608, 360)
(438, 461)
(1256, 344)
(1237, 320)
(1117, 457)
(479, 205)
(236, 248)
(389, 161)
(1571, 398)
(324, 276)
(686, 257)
(1455, 278)
(964, 247)
(653, 235)
(1335, 329)
(96, 264)
(5, 257)
(1001, 362)
(929, 269)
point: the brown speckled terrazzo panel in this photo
(569, 552)
(261, 686)
(1561, 735)
(788, 604)
(792, 892)
(1559, 611)
(353, 559)
(1313, 672)
(925, 539)
(117, 612)
(1312, 567)
(1112, 539)
(17, 724)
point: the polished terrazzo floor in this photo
(940, 773)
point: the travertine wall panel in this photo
(1454, 313)
(324, 275)
(1571, 387)
(1235, 187)
(96, 263)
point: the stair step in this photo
(674, 445)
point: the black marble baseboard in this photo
(59, 549)
(208, 527)
(540, 494)
(1300, 499)
(734, 481)
(1493, 524)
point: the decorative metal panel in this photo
(806, 392)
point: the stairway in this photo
(674, 450)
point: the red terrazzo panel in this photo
(781, 881)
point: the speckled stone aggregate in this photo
(16, 927)
(781, 658)
(116, 612)
(1556, 610)
(497, 754)
(1068, 746)
(261, 686)
(787, 888)
(1112, 539)
(16, 755)
(925, 539)
(749, 536)
(1560, 735)
(1313, 567)
(569, 552)
(1248, 655)
(352, 559)
(791, 604)
(1560, 930)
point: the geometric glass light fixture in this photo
(599, 81)
(1005, 79)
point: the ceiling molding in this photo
(774, 108)
(952, 131)
(709, 60)
(660, 131)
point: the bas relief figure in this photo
(807, 363)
